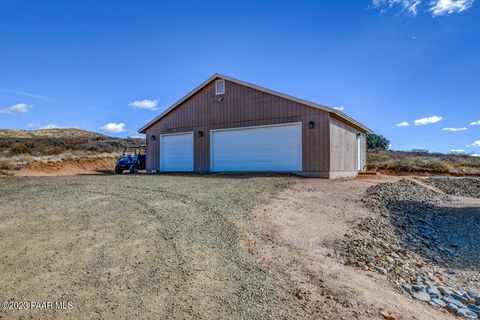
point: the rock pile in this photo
(407, 241)
(466, 303)
(467, 187)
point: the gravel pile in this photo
(419, 241)
(467, 187)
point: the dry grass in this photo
(422, 162)
(22, 161)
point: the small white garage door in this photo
(275, 148)
(176, 152)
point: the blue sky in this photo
(111, 66)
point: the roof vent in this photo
(220, 87)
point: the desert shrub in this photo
(377, 141)
(420, 151)
(48, 149)
(432, 165)
(53, 150)
(94, 148)
(115, 144)
(469, 164)
(20, 148)
(372, 157)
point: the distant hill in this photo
(51, 133)
(57, 141)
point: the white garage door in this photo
(264, 148)
(176, 152)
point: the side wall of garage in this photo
(344, 149)
(241, 106)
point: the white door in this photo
(359, 153)
(176, 152)
(275, 148)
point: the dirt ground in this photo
(188, 247)
(126, 247)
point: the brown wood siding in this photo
(343, 147)
(241, 107)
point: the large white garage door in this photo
(264, 148)
(176, 152)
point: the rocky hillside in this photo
(57, 141)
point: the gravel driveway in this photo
(160, 247)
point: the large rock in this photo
(445, 290)
(452, 308)
(473, 294)
(421, 295)
(467, 313)
(407, 287)
(438, 302)
(460, 298)
(434, 293)
(450, 300)
(474, 308)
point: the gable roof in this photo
(340, 114)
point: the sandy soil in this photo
(300, 226)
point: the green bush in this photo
(377, 141)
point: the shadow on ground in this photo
(225, 175)
(448, 236)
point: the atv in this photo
(132, 159)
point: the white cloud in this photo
(442, 7)
(475, 123)
(113, 127)
(457, 151)
(427, 120)
(454, 129)
(33, 125)
(144, 104)
(434, 7)
(17, 108)
(50, 126)
(475, 144)
(402, 124)
(475, 155)
(339, 108)
(407, 5)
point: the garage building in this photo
(228, 125)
